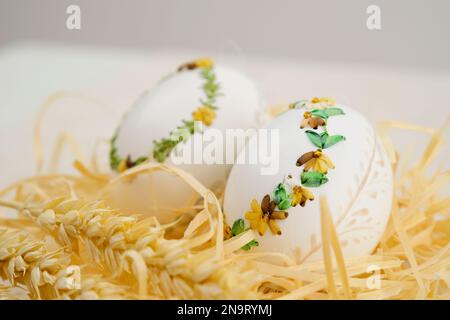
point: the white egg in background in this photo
(159, 111)
(359, 190)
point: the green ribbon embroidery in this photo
(284, 194)
(163, 147)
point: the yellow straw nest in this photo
(65, 243)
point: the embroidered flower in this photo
(281, 197)
(127, 163)
(300, 195)
(204, 114)
(311, 121)
(204, 63)
(264, 215)
(122, 166)
(226, 231)
(322, 103)
(255, 215)
(314, 103)
(315, 161)
(199, 63)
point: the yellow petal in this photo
(304, 123)
(327, 100)
(204, 62)
(122, 166)
(310, 164)
(296, 198)
(322, 166)
(252, 215)
(279, 215)
(308, 194)
(327, 160)
(316, 166)
(254, 224)
(274, 227)
(262, 226)
(256, 207)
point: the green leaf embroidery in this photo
(114, 158)
(249, 245)
(334, 111)
(281, 197)
(313, 179)
(332, 140)
(299, 104)
(285, 204)
(323, 140)
(140, 160)
(238, 227)
(319, 113)
(315, 138)
(163, 147)
(326, 113)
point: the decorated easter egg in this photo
(182, 121)
(318, 149)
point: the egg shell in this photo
(162, 109)
(359, 191)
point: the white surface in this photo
(359, 190)
(413, 32)
(30, 72)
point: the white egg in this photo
(359, 188)
(161, 110)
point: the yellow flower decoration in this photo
(199, 63)
(226, 231)
(300, 195)
(314, 103)
(204, 63)
(204, 114)
(310, 121)
(322, 103)
(315, 161)
(263, 216)
(255, 215)
(325, 100)
(328, 101)
(122, 166)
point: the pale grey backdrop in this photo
(414, 33)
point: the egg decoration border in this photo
(315, 165)
(205, 113)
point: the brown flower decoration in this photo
(199, 63)
(310, 121)
(265, 215)
(125, 164)
(315, 161)
(187, 66)
(300, 195)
